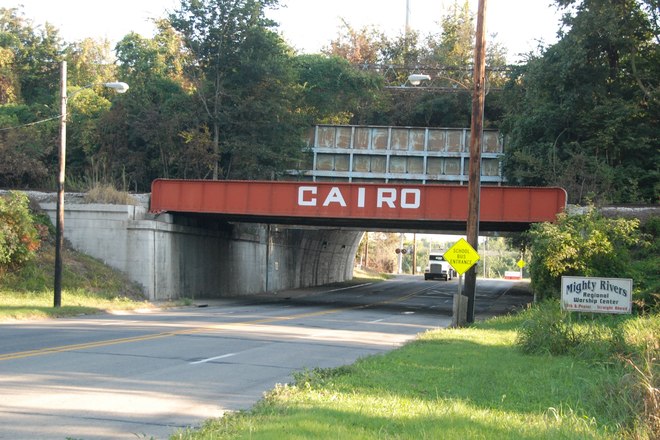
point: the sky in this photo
(308, 25)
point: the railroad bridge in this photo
(225, 238)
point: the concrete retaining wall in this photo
(173, 257)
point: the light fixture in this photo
(119, 87)
(416, 78)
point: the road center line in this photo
(190, 331)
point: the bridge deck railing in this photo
(399, 154)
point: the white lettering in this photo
(386, 195)
(301, 196)
(393, 198)
(416, 195)
(361, 197)
(335, 196)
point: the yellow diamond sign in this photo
(461, 256)
(521, 263)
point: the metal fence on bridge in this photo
(399, 154)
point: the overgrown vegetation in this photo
(583, 114)
(108, 194)
(26, 282)
(19, 236)
(595, 246)
(627, 344)
(88, 286)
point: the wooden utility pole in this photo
(476, 138)
(59, 219)
(414, 254)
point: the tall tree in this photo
(357, 46)
(29, 84)
(240, 73)
(449, 56)
(584, 114)
(455, 44)
(37, 52)
(89, 61)
(159, 111)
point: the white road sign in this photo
(596, 295)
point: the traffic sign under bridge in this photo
(461, 256)
(362, 205)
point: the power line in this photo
(31, 123)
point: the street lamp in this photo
(416, 78)
(120, 87)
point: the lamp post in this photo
(120, 87)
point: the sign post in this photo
(461, 256)
(521, 264)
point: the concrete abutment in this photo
(172, 256)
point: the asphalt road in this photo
(147, 374)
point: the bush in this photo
(546, 331)
(19, 238)
(584, 245)
(645, 268)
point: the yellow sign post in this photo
(521, 264)
(461, 256)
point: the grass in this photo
(88, 286)
(472, 383)
(367, 275)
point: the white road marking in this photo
(213, 358)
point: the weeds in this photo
(627, 344)
(108, 194)
(646, 388)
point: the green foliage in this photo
(217, 93)
(36, 53)
(333, 91)
(603, 338)
(584, 113)
(23, 151)
(581, 245)
(448, 53)
(159, 125)
(547, 332)
(605, 342)
(261, 128)
(241, 72)
(645, 267)
(19, 238)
